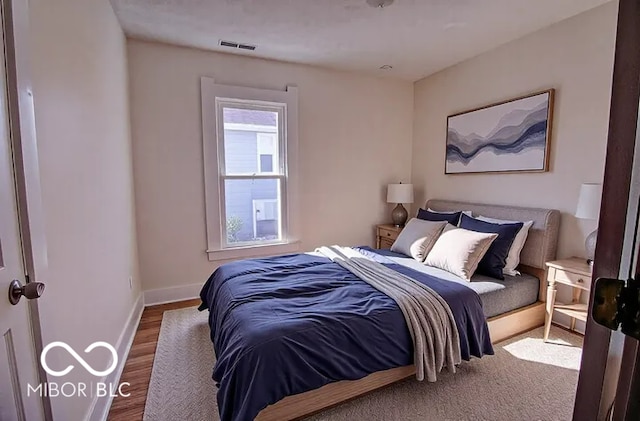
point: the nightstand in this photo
(386, 234)
(576, 274)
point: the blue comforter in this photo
(289, 324)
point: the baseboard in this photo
(169, 295)
(99, 409)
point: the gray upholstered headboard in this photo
(542, 241)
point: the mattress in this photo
(497, 296)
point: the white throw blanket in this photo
(430, 321)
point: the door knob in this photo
(32, 290)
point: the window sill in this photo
(253, 251)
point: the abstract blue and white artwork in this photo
(509, 136)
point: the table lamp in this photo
(589, 208)
(399, 193)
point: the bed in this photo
(292, 385)
(497, 296)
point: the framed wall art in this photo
(509, 136)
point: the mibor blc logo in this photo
(74, 354)
(81, 389)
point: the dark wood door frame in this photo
(627, 401)
(615, 201)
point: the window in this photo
(250, 145)
(252, 166)
(266, 163)
(267, 152)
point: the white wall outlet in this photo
(130, 282)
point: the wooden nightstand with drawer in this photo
(575, 273)
(386, 234)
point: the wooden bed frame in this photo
(504, 326)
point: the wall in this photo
(82, 119)
(355, 136)
(576, 58)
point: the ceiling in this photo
(416, 37)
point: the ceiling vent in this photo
(231, 44)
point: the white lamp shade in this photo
(400, 193)
(589, 201)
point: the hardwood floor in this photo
(137, 369)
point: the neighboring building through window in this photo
(249, 136)
(267, 151)
(252, 176)
(265, 218)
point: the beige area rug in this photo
(525, 380)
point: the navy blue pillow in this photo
(451, 218)
(495, 258)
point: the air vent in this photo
(228, 44)
(232, 44)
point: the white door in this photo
(18, 362)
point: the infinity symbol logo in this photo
(74, 354)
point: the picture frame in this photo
(505, 137)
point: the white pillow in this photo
(459, 251)
(417, 238)
(513, 258)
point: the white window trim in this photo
(209, 92)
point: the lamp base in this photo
(590, 246)
(399, 215)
